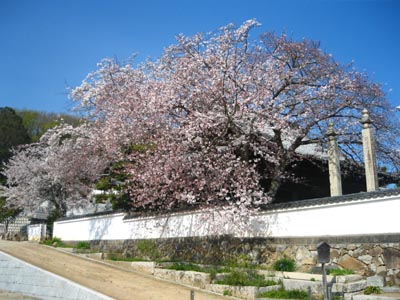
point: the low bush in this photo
(285, 264)
(82, 246)
(55, 242)
(285, 294)
(227, 293)
(372, 290)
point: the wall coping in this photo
(381, 195)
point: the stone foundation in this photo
(365, 255)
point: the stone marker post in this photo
(369, 153)
(324, 257)
(335, 180)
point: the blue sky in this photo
(48, 45)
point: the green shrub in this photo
(372, 290)
(227, 293)
(339, 272)
(55, 242)
(82, 245)
(285, 294)
(212, 270)
(246, 278)
(285, 264)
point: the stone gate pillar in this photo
(335, 180)
(369, 153)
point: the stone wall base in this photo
(365, 255)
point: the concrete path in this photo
(111, 281)
(14, 296)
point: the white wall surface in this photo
(36, 232)
(369, 216)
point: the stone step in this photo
(376, 297)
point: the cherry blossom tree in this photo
(219, 117)
(61, 169)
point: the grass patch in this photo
(55, 242)
(339, 272)
(148, 249)
(285, 264)
(285, 294)
(179, 266)
(246, 278)
(82, 246)
(227, 293)
(127, 259)
(372, 290)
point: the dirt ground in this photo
(108, 280)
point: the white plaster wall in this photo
(378, 216)
(372, 216)
(113, 227)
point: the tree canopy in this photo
(61, 169)
(12, 132)
(38, 122)
(219, 117)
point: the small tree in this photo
(7, 214)
(62, 169)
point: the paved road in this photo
(13, 296)
(116, 283)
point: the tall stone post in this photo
(369, 153)
(335, 179)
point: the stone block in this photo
(381, 271)
(295, 284)
(352, 246)
(305, 257)
(373, 297)
(147, 267)
(367, 259)
(392, 258)
(196, 279)
(244, 292)
(349, 296)
(359, 251)
(351, 263)
(335, 253)
(348, 278)
(376, 251)
(391, 289)
(375, 281)
(373, 268)
(350, 287)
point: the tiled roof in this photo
(98, 214)
(279, 206)
(333, 200)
